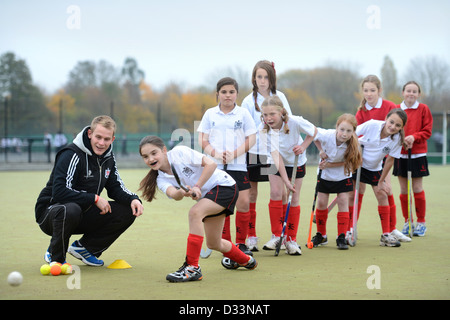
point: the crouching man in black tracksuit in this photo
(71, 203)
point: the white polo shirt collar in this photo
(233, 111)
(377, 106)
(404, 106)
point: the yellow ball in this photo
(45, 269)
(66, 268)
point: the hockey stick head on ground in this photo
(294, 173)
(309, 243)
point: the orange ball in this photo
(310, 245)
(55, 269)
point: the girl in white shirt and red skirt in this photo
(214, 191)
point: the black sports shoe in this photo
(185, 273)
(230, 264)
(341, 242)
(244, 249)
(319, 240)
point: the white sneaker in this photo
(272, 243)
(388, 240)
(400, 236)
(252, 244)
(293, 248)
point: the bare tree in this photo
(432, 74)
(389, 77)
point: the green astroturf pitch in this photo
(155, 245)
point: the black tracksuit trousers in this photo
(61, 221)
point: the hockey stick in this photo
(410, 216)
(205, 253)
(309, 244)
(355, 204)
(330, 207)
(332, 204)
(294, 173)
(177, 178)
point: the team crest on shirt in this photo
(237, 125)
(187, 172)
(386, 150)
(107, 172)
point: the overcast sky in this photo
(187, 41)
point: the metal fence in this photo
(37, 149)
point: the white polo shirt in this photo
(375, 148)
(249, 104)
(188, 165)
(335, 153)
(284, 143)
(228, 132)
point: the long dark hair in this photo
(148, 184)
(269, 67)
(404, 117)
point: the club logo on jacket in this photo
(89, 174)
(107, 172)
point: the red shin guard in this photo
(321, 221)
(237, 255)
(342, 222)
(292, 223)
(252, 222)
(194, 246)
(404, 204)
(242, 220)
(420, 202)
(276, 216)
(384, 212)
(393, 213)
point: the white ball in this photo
(15, 279)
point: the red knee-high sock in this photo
(420, 201)
(342, 222)
(321, 221)
(393, 213)
(237, 255)
(292, 223)
(194, 246)
(404, 204)
(226, 233)
(384, 212)
(276, 214)
(242, 219)
(252, 222)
